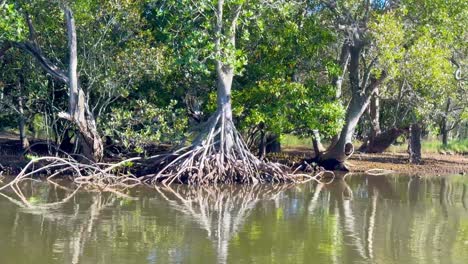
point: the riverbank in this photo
(432, 164)
(12, 160)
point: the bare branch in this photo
(32, 31)
(45, 63)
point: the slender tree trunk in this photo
(21, 125)
(343, 62)
(90, 142)
(414, 144)
(444, 132)
(444, 124)
(225, 75)
(378, 141)
(374, 113)
(262, 143)
(317, 144)
(91, 145)
(21, 118)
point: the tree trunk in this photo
(262, 143)
(273, 144)
(444, 124)
(343, 62)
(21, 119)
(335, 156)
(374, 113)
(444, 132)
(378, 141)
(382, 141)
(362, 91)
(91, 145)
(414, 144)
(317, 144)
(21, 125)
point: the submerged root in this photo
(219, 155)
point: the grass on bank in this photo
(428, 146)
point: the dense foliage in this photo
(148, 67)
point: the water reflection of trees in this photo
(363, 219)
(219, 209)
(368, 220)
(418, 217)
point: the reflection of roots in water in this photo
(219, 210)
(80, 222)
(99, 176)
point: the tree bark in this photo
(316, 144)
(362, 92)
(91, 145)
(382, 141)
(343, 62)
(374, 113)
(262, 143)
(444, 130)
(225, 75)
(414, 144)
(21, 118)
(90, 142)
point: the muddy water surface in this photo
(362, 219)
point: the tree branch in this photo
(32, 31)
(375, 83)
(234, 23)
(46, 64)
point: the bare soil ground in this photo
(432, 164)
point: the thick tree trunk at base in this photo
(414, 144)
(444, 137)
(336, 155)
(382, 141)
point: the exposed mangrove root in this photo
(101, 176)
(219, 155)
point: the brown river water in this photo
(362, 219)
